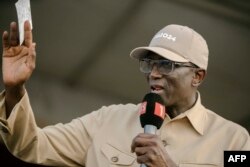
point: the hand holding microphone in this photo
(152, 114)
(148, 146)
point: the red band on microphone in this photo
(159, 110)
(143, 108)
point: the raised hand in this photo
(18, 63)
(18, 60)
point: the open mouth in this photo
(156, 89)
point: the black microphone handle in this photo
(150, 129)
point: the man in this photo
(174, 63)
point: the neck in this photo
(176, 110)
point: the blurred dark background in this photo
(83, 51)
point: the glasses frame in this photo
(151, 63)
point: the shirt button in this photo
(164, 143)
(114, 159)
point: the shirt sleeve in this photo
(246, 141)
(58, 145)
(240, 139)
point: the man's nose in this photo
(155, 73)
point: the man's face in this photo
(175, 88)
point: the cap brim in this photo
(139, 52)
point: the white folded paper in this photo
(23, 14)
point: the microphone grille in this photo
(152, 111)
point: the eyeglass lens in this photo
(163, 66)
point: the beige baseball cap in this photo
(177, 43)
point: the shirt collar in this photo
(196, 115)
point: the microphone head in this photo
(152, 111)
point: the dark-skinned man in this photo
(174, 64)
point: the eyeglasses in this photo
(163, 66)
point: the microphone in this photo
(152, 113)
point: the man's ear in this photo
(199, 75)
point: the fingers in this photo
(5, 40)
(13, 34)
(143, 159)
(147, 159)
(31, 60)
(142, 140)
(28, 37)
(148, 149)
(14, 38)
(147, 155)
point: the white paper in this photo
(23, 14)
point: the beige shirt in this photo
(103, 138)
